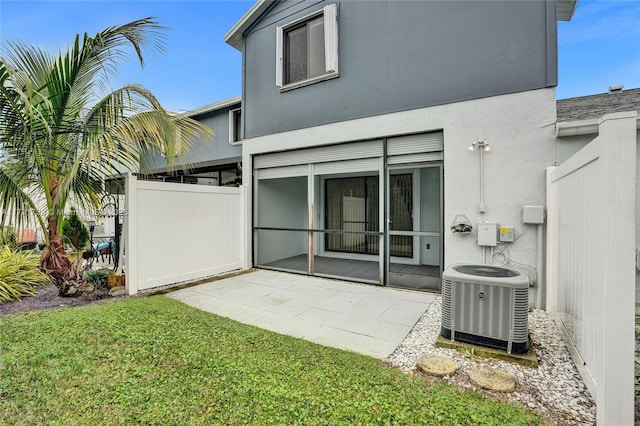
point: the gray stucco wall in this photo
(400, 55)
(218, 148)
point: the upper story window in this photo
(235, 116)
(307, 49)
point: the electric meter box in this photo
(487, 234)
(507, 234)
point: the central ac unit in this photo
(486, 305)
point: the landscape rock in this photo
(117, 291)
(492, 379)
(549, 389)
(435, 365)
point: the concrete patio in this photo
(362, 318)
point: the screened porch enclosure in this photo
(361, 219)
(282, 218)
(351, 205)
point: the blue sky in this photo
(599, 47)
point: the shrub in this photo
(75, 231)
(19, 274)
(8, 236)
(98, 277)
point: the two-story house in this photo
(216, 162)
(357, 123)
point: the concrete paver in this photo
(362, 318)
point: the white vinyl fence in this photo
(591, 263)
(177, 233)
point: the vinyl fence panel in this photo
(591, 263)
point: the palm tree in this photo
(61, 135)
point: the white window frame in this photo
(234, 139)
(330, 15)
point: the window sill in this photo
(236, 143)
(322, 77)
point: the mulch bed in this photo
(47, 297)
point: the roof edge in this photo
(582, 127)
(233, 37)
(565, 9)
(213, 107)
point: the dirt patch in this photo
(47, 297)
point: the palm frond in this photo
(16, 202)
(61, 136)
(130, 120)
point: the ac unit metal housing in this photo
(487, 306)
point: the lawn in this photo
(156, 361)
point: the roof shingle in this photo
(595, 106)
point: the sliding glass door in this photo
(414, 204)
(352, 205)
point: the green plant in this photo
(63, 131)
(98, 277)
(8, 236)
(75, 231)
(19, 274)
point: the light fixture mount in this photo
(480, 144)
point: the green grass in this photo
(156, 361)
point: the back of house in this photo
(357, 120)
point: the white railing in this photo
(177, 233)
(591, 263)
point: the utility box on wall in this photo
(487, 234)
(507, 234)
(533, 215)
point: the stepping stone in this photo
(492, 379)
(117, 291)
(434, 365)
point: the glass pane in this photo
(401, 214)
(416, 274)
(285, 250)
(282, 203)
(414, 260)
(401, 246)
(352, 205)
(236, 125)
(430, 199)
(430, 219)
(296, 54)
(354, 268)
(316, 47)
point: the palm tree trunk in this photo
(55, 260)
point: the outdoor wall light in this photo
(480, 144)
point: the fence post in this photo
(245, 227)
(615, 399)
(130, 219)
(552, 241)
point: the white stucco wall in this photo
(520, 129)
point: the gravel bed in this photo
(554, 390)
